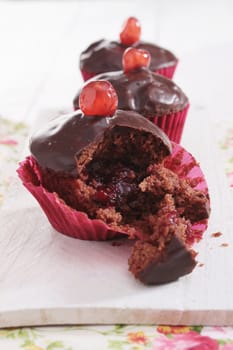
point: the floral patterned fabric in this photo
(12, 140)
(118, 337)
(226, 146)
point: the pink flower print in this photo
(8, 142)
(187, 341)
(218, 329)
(230, 178)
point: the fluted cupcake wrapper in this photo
(183, 164)
(77, 224)
(63, 218)
(172, 124)
(167, 72)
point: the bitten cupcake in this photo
(155, 97)
(100, 172)
(106, 56)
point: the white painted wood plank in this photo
(47, 278)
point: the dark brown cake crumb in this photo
(117, 244)
(224, 245)
(189, 203)
(216, 234)
(201, 265)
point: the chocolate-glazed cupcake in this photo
(98, 173)
(155, 97)
(106, 56)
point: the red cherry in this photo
(98, 98)
(101, 196)
(131, 31)
(135, 58)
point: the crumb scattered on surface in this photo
(117, 244)
(216, 234)
(200, 265)
(224, 245)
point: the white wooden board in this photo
(47, 278)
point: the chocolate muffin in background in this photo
(106, 56)
(155, 97)
(100, 172)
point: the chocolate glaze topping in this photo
(145, 92)
(106, 56)
(173, 262)
(57, 145)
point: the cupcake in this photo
(106, 56)
(155, 97)
(100, 172)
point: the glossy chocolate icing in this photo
(106, 56)
(173, 262)
(57, 145)
(145, 92)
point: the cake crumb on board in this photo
(216, 234)
(224, 245)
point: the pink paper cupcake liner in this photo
(167, 72)
(172, 124)
(77, 224)
(86, 75)
(182, 163)
(63, 218)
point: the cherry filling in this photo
(118, 167)
(114, 186)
